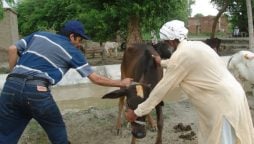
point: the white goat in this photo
(241, 64)
(110, 46)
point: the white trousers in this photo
(228, 135)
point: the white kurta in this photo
(210, 87)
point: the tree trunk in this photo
(216, 19)
(134, 34)
(250, 25)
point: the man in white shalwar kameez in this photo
(220, 101)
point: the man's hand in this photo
(130, 115)
(157, 59)
(126, 82)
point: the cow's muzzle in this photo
(138, 129)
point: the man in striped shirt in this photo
(38, 61)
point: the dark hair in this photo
(67, 33)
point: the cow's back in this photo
(131, 57)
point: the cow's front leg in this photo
(160, 123)
(119, 118)
(151, 122)
(133, 140)
(107, 51)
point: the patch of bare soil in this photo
(97, 126)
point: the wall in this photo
(8, 32)
(198, 25)
(72, 77)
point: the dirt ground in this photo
(96, 125)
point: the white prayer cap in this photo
(173, 30)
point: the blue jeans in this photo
(19, 103)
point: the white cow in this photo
(241, 64)
(111, 46)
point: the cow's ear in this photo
(116, 94)
(249, 56)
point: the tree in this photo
(241, 15)
(37, 15)
(198, 15)
(222, 7)
(103, 19)
(238, 15)
(250, 24)
(135, 16)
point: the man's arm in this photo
(163, 63)
(103, 81)
(173, 76)
(12, 56)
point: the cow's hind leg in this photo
(110, 52)
(115, 51)
(119, 118)
(160, 123)
(107, 51)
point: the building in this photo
(204, 24)
(8, 32)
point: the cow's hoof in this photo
(118, 132)
(128, 125)
(153, 129)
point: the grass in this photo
(34, 133)
(4, 70)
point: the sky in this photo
(5, 5)
(204, 7)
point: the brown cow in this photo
(138, 64)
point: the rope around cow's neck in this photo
(229, 61)
(140, 122)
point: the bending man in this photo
(220, 101)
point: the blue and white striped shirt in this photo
(49, 55)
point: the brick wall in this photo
(198, 25)
(8, 32)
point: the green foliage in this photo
(103, 19)
(237, 12)
(198, 15)
(110, 17)
(1, 12)
(46, 14)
